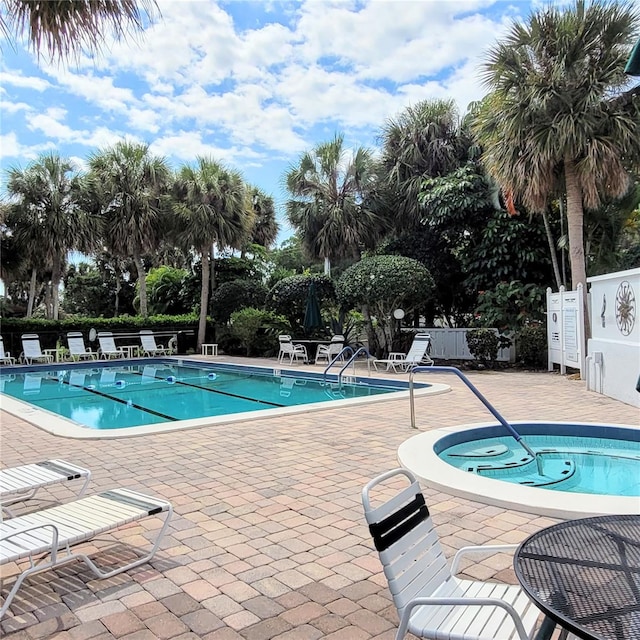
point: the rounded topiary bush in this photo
(236, 295)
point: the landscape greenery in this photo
(462, 220)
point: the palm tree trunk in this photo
(55, 289)
(32, 292)
(117, 297)
(142, 285)
(575, 224)
(327, 266)
(204, 297)
(552, 249)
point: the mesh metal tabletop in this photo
(585, 575)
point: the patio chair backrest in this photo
(336, 346)
(284, 338)
(76, 343)
(3, 354)
(419, 347)
(406, 541)
(31, 345)
(148, 340)
(107, 343)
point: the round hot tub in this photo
(578, 469)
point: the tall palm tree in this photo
(67, 27)
(550, 124)
(211, 206)
(50, 219)
(425, 140)
(329, 188)
(131, 185)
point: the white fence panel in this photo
(451, 344)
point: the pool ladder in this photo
(352, 359)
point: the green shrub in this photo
(484, 344)
(532, 345)
(236, 295)
(255, 330)
(511, 305)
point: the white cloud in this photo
(23, 82)
(12, 148)
(14, 107)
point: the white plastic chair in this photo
(5, 356)
(108, 347)
(418, 355)
(77, 348)
(31, 350)
(432, 602)
(53, 531)
(149, 346)
(291, 351)
(329, 351)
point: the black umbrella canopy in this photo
(312, 315)
(633, 64)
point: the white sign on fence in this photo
(565, 329)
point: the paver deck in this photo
(268, 539)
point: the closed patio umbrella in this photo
(633, 64)
(312, 316)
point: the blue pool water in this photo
(113, 396)
(568, 462)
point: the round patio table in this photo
(585, 576)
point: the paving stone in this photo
(202, 622)
(166, 625)
(266, 629)
(122, 624)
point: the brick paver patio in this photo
(268, 538)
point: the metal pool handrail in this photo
(349, 361)
(485, 402)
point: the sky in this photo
(252, 84)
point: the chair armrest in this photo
(464, 602)
(486, 548)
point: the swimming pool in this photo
(141, 396)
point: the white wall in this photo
(613, 352)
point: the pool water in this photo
(567, 463)
(115, 397)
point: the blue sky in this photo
(253, 84)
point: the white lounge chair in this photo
(5, 356)
(108, 347)
(31, 351)
(77, 348)
(329, 351)
(432, 602)
(148, 345)
(21, 483)
(52, 532)
(291, 351)
(418, 355)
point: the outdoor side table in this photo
(208, 349)
(585, 576)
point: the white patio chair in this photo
(108, 347)
(31, 351)
(77, 348)
(18, 484)
(5, 356)
(291, 351)
(148, 345)
(432, 602)
(329, 351)
(418, 355)
(53, 531)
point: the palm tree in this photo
(426, 140)
(550, 124)
(50, 221)
(70, 26)
(130, 184)
(211, 206)
(265, 227)
(329, 189)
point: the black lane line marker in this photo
(224, 393)
(126, 402)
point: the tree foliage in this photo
(288, 296)
(235, 295)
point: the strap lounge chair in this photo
(291, 351)
(5, 356)
(22, 483)
(418, 354)
(108, 347)
(31, 351)
(329, 351)
(432, 602)
(52, 532)
(149, 347)
(77, 349)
